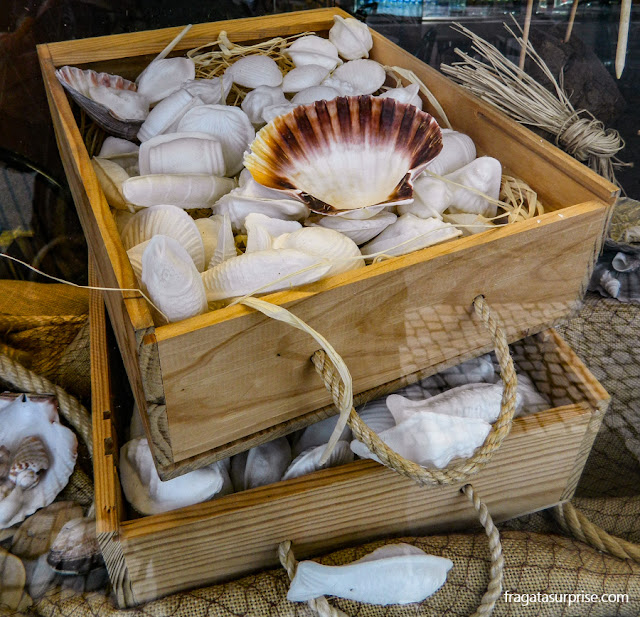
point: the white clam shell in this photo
(172, 280)
(318, 434)
(313, 49)
(303, 77)
(376, 415)
(308, 461)
(167, 221)
(111, 178)
(184, 190)
(392, 574)
(261, 465)
(123, 104)
(149, 495)
(255, 71)
(366, 76)
(24, 417)
(225, 245)
(230, 125)
(263, 230)
(351, 37)
(273, 111)
(313, 94)
(163, 77)
(182, 153)
(166, 113)
(410, 233)
(210, 91)
(408, 95)
(359, 230)
(457, 151)
(262, 272)
(257, 100)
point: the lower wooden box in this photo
(538, 465)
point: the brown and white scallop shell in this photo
(347, 153)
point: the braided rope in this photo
(584, 530)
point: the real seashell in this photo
(225, 244)
(209, 229)
(408, 95)
(475, 370)
(318, 434)
(431, 439)
(319, 156)
(77, 82)
(392, 574)
(230, 125)
(273, 111)
(165, 76)
(111, 177)
(257, 100)
(184, 190)
(182, 153)
(261, 465)
(31, 458)
(210, 91)
(172, 280)
(5, 462)
(304, 77)
(351, 37)
(376, 415)
(623, 262)
(308, 461)
(13, 578)
(343, 87)
(359, 230)
(312, 49)
(36, 418)
(263, 230)
(366, 76)
(75, 549)
(531, 401)
(168, 221)
(255, 71)
(410, 233)
(457, 151)
(149, 495)
(123, 104)
(313, 94)
(262, 272)
(167, 113)
(468, 224)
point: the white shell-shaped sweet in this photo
(225, 245)
(318, 434)
(475, 370)
(172, 280)
(351, 37)
(431, 197)
(182, 153)
(163, 77)
(122, 217)
(261, 465)
(149, 495)
(230, 125)
(366, 76)
(359, 230)
(166, 113)
(111, 178)
(343, 87)
(528, 397)
(123, 104)
(303, 77)
(312, 49)
(263, 230)
(184, 190)
(457, 151)
(22, 418)
(392, 574)
(262, 272)
(468, 224)
(376, 415)
(431, 439)
(273, 111)
(313, 94)
(308, 461)
(341, 252)
(209, 229)
(410, 233)
(210, 91)
(406, 95)
(135, 254)
(167, 221)
(120, 151)
(255, 71)
(257, 100)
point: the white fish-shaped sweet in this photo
(392, 574)
(468, 224)
(111, 178)
(210, 91)
(149, 495)
(376, 415)
(457, 151)
(257, 100)
(359, 230)
(313, 94)
(164, 77)
(262, 272)
(209, 229)
(172, 280)
(184, 190)
(225, 245)
(312, 49)
(431, 439)
(123, 104)
(366, 76)
(263, 230)
(163, 117)
(261, 465)
(410, 233)
(308, 461)
(475, 370)
(409, 95)
(304, 77)
(255, 71)
(318, 434)
(351, 37)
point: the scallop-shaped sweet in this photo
(366, 76)
(351, 37)
(359, 230)
(313, 94)
(345, 154)
(256, 101)
(308, 461)
(313, 49)
(255, 71)
(303, 77)
(458, 150)
(164, 76)
(210, 91)
(406, 95)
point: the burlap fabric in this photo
(538, 557)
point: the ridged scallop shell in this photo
(366, 76)
(351, 37)
(457, 151)
(184, 190)
(313, 94)
(255, 71)
(345, 154)
(257, 100)
(111, 177)
(303, 77)
(308, 461)
(36, 418)
(182, 153)
(172, 280)
(164, 77)
(312, 49)
(30, 459)
(410, 96)
(263, 230)
(359, 230)
(410, 233)
(318, 434)
(167, 113)
(230, 125)
(376, 415)
(77, 82)
(261, 465)
(210, 91)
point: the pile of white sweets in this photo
(191, 157)
(432, 422)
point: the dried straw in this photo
(498, 81)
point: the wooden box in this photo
(221, 382)
(537, 466)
